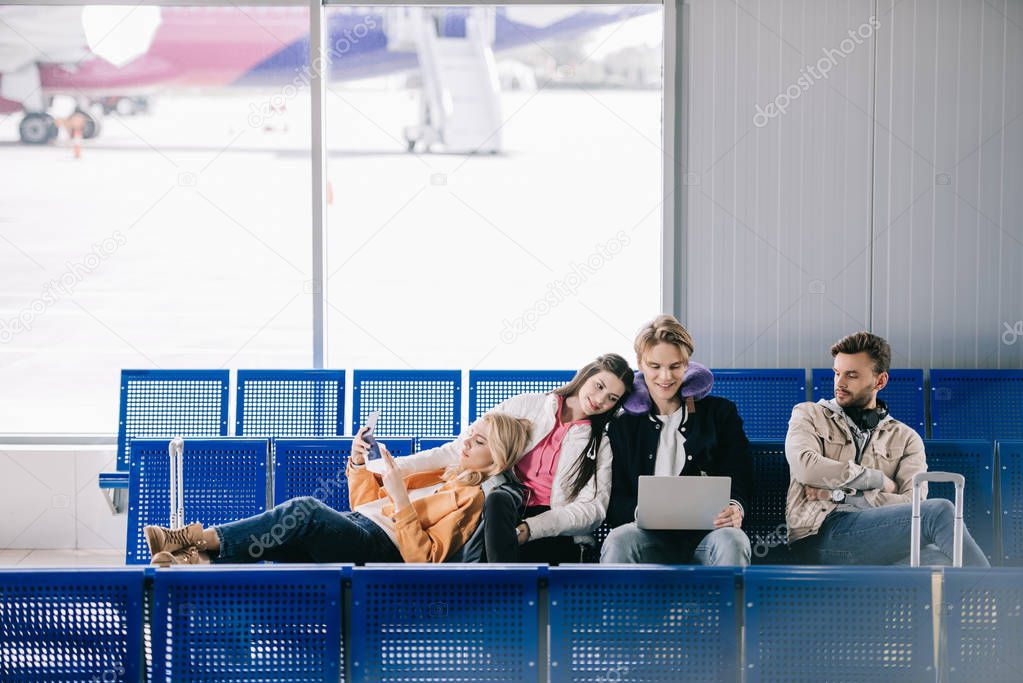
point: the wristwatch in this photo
(838, 496)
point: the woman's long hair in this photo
(508, 439)
(586, 468)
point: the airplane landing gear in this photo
(89, 124)
(37, 129)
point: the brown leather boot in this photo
(189, 555)
(162, 539)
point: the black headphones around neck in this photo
(868, 418)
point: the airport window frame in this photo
(672, 125)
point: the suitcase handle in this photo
(957, 539)
(175, 450)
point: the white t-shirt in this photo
(374, 509)
(671, 451)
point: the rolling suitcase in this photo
(957, 533)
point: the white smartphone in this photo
(374, 448)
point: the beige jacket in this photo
(821, 452)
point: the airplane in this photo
(260, 47)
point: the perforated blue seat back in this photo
(977, 404)
(71, 625)
(904, 394)
(169, 403)
(853, 624)
(487, 388)
(765, 520)
(643, 623)
(764, 398)
(290, 403)
(224, 480)
(250, 625)
(984, 625)
(418, 402)
(1010, 477)
(975, 460)
(431, 442)
(432, 624)
(316, 467)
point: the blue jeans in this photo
(305, 530)
(881, 536)
(628, 544)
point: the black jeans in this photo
(502, 512)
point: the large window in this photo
(524, 229)
(176, 237)
(494, 191)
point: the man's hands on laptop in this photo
(731, 516)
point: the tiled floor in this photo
(13, 557)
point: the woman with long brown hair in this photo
(564, 475)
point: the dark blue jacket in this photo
(715, 444)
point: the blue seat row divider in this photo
(510, 624)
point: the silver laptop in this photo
(681, 503)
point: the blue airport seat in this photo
(439, 623)
(71, 625)
(290, 403)
(977, 404)
(1010, 476)
(764, 522)
(316, 467)
(975, 460)
(765, 398)
(279, 623)
(983, 625)
(420, 402)
(224, 480)
(904, 394)
(430, 442)
(169, 403)
(643, 623)
(838, 623)
(487, 388)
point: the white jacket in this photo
(565, 518)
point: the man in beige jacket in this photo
(852, 465)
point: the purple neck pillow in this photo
(696, 384)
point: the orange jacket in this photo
(432, 527)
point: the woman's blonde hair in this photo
(508, 439)
(664, 329)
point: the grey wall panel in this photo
(948, 224)
(777, 219)
(888, 196)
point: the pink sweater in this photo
(537, 467)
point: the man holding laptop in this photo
(681, 474)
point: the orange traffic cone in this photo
(76, 144)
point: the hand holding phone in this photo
(374, 448)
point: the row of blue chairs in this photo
(231, 478)
(986, 404)
(511, 624)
